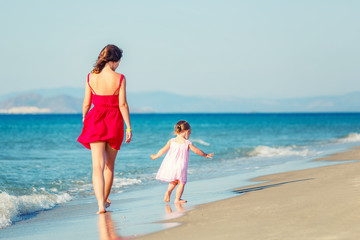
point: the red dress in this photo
(104, 121)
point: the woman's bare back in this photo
(105, 83)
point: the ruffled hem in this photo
(87, 142)
(170, 180)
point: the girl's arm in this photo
(161, 151)
(124, 109)
(199, 152)
(87, 101)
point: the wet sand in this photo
(318, 203)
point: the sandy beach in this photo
(317, 203)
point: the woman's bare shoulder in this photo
(120, 74)
(93, 75)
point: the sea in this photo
(44, 170)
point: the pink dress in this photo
(175, 164)
(104, 121)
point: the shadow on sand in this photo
(252, 189)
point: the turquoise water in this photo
(43, 167)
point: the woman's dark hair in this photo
(110, 53)
(181, 125)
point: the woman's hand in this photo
(153, 157)
(128, 136)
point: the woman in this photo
(103, 130)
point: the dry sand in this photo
(319, 203)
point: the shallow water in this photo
(42, 167)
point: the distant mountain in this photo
(51, 104)
(167, 102)
(70, 91)
(69, 100)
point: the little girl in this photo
(174, 166)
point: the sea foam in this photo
(86, 188)
(13, 207)
(265, 151)
(118, 183)
(200, 141)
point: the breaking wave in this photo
(265, 151)
(352, 137)
(13, 207)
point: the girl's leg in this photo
(109, 171)
(98, 160)
(171, 187)
(179, 192)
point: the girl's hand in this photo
(128, 136)
(153, 157)
(210, 155)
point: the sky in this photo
(247, 49)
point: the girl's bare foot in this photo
(167, 196)
(107, 203)
(180, 201)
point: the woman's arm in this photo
(199, 152)
(161, 151)
(124, 109)
(87, 101)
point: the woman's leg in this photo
(109, 171)
(98, 160)
(179, 192)
(171, 187)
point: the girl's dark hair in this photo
(181, 125)
(110, 53)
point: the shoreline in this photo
(315, 203)
(130, 217)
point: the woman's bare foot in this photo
(167, 196)
(180, 201)
(101, 211)
(107, 203)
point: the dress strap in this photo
(121, 78)
(92, 90)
